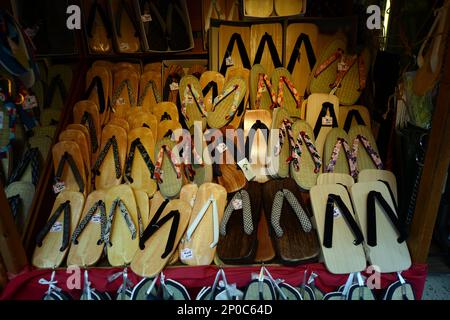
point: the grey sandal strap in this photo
(246, 213)
(295, 205)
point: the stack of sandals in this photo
(39, 115)
(213, 192)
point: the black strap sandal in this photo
(353, 114)
(111, 142)
(235, 39)
(31, 156)
(64, 207)
(295, 55)
(55, 83)
(97, 84)
(325, 107)
(267, 39)
(128, 166)
(335, 200)
(68, 158)
(89, 122)
(96, 7)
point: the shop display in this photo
(164, 176)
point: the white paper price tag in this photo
(30, 102)
(186, 254)
(222, 147)
(120, 101)
(189, 99)
(336, 212)
(237, 204)
(96, 218)
(124, 46)
(174, 86)
(58, 187)
(327, 121)
(146, 17)
(247, 169)
(229, 61)
(57, 227)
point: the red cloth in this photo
(25, 286)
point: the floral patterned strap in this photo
(189, 151)
(125, 215)
(99, 205)
(338, 54)
(350, 154)
(344, 67)
(286, 130)
(150, 84)
(224, 95)
(173, 158)
(119, 90)
(111, 142)
(191, 93)
(370, 150)
(285, 81)
(312, 150)
(264, 82)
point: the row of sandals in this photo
(260, 286)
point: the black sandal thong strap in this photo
(258, 125)
(325, 107)
(63, 207)
(31, 156)
(99, 205)
(87, 120)
(91, 19)
(335, 200)
(212, 85)
(235, 39)
(155, 226)
(123, 5)
(56, 82)
(267, 38)
(295, 56)
(371, 219)
(96, 83)
(353, 114)
(14, 203)
(111, 142)
(145, 156)
(73, 166)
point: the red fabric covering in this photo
(25, 286)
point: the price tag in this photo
(222, 147)
(146, 17)
(58, 187)
(189, 99)
(263, 89)
(327, 121)
(336, 212)
(174, 86)
(247, 169)
(342, 66)
(96, 218)
(124, 46)
(229, 61)
(120, 101)
(2, 115)
(237, 204)
(57, 227)
(30, 102)
(186, 254)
